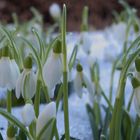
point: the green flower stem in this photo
(115, 126)
(37, 98)
(84, 26)
(45, 90)
(112, 80)
(106, 99)
(65, 75)
(130, 101)
(9, 101)
(56, 132)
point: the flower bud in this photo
(135, 83)
(57, 46)
(137, 64)
(28, 63)
(79, 68)
(11, 132)
(28, 114)
(5, 51)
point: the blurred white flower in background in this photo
(28, 114)
(44, 117)
(55, 11)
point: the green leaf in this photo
(73, 57)
(136, 129)
(93, 124)
(21, 135)
(16, 122)
(41, 44)
(52, 121)
(126, 126)
(97, 114)
(106, 124)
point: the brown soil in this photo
(100, 11)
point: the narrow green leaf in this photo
(93, 124)
(73, 57)
(136, 129)
(52, 121)
(126, 126)
(106, 124)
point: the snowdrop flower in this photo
(28, 114)
(26, 83)
(45, 116)
(55, 11)
(9, 70)
(52, 69)
(80, 81)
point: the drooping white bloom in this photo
(80, 81)
(27, 81)
(28, 114)
(45, 116)
(9, 73)
(52, 71)
(55, 11)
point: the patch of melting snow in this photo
(79, 122)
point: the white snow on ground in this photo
(105, 46)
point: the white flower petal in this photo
(90, 85)
(19, 84)
(48, 113)
(25, 73)
(32, 84)
(15, 72)
(52, 71)
(5, 73)
(28, 114)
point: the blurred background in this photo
(100, 11)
